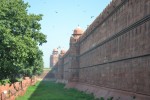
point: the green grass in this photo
(48, 90)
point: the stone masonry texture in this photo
(113, 52)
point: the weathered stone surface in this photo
(113, 53)
(11, 91)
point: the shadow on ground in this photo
(47, 89)
(42, 87)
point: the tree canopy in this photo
(20, 37)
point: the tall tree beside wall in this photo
(19, 39)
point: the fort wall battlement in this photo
(113, 53)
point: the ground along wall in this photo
(114, 52)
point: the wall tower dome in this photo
(76, 34)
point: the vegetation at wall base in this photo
(48, 90)
(20, 37)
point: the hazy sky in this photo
(61, 17)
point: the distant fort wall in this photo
(113, 55)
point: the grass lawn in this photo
(48, 90)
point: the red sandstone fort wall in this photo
(60, 69)
(114, 52)
(110, 22)
(66, 65)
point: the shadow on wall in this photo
(46, 75)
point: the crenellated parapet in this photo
(107, 12)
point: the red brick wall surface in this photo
(114, 52)
(11, 91)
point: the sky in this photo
(61, 17)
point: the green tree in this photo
(19, 39)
